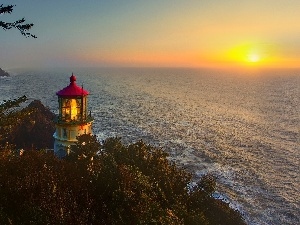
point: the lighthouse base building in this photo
(65, 136)
(72, 120)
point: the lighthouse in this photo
(73, 118)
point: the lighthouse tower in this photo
(73, 119)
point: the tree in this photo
(35, 130)
(31, 127)
(10, 116)
(106, 183)
(18, 24)
(137, 184)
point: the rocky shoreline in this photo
(3, 73)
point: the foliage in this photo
(105, 183)
(31, 127)
(18, 24)
(10, 116)
(35, 130)
(37, 188)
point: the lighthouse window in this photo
(74, 110)
(84, 108)
(72, 134)
(59, 132)
(65, 133)
(66, 109)
(78, 101)
(78, 109)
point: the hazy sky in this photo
(154, 33)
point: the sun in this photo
(246, 54)
(253, 58)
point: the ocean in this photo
(242, 127)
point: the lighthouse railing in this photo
(89, 118)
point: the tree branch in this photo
(6, 9)
(19, 24)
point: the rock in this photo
(35, 130)
(3, 73)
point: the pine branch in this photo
(19, 24)
(6, 9)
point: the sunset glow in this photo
(165, 34)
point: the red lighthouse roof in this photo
(72, 90)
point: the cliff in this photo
(3, 73)
(35, 131)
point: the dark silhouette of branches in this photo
(18, 24)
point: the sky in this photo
(156, 33)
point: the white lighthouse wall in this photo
(65, 136)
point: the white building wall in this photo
(65, 136)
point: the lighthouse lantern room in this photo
(73, 119)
